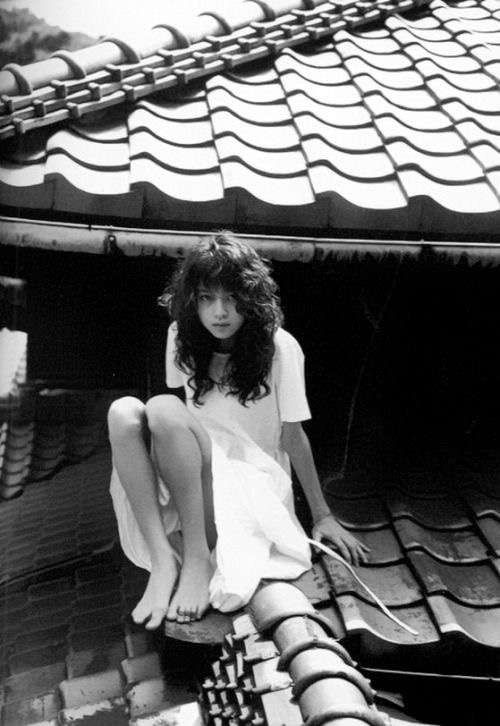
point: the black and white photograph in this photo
(249, 362)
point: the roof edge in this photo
(138, 242)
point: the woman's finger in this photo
(343, 549)
(363, 556)
(354, 553)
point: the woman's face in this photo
(218, 314)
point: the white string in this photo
(379, 602)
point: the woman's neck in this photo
(224, 346)
(223, 349)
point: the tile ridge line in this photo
(67, 97)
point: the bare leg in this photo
(131, 459)
(182, 453)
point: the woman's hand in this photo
(348, 546)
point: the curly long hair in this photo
(224, 262)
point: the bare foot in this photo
(154, 602)
(191, 597)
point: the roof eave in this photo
(137, 242)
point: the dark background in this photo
(424, 332)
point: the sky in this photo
(112, 17)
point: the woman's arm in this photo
(296, 444)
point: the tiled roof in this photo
(13, 368)
(390, 127)
(69, 652)
(434, 559)
(43, 429)
(434, 540)
(282, 664)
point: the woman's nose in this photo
(220, 308)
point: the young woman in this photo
(218, 467)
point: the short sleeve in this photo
(290, 381)
(173, 373)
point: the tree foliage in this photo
(25, 38)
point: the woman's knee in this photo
(165, 413)
(125, 418)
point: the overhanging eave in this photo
(136, 242)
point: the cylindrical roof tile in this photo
(20, 78)
(179, 32)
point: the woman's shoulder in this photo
(285, 343)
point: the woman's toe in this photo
(172, 613)
(139, 615)
(156, 618)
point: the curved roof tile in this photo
(392, 126)
(433, 558)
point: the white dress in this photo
(258, 534)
